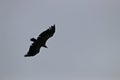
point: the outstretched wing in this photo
(40, 41)
(33, 50)
(44, 36)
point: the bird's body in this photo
(40, 41)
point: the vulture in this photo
(40, 41)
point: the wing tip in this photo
(53, 27)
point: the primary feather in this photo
(40, 41)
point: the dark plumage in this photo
(40, 41)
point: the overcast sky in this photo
(85, 46)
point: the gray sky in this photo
(86, 45)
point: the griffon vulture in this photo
(40, 41)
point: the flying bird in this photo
(40, 41)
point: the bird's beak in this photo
(45, 46)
